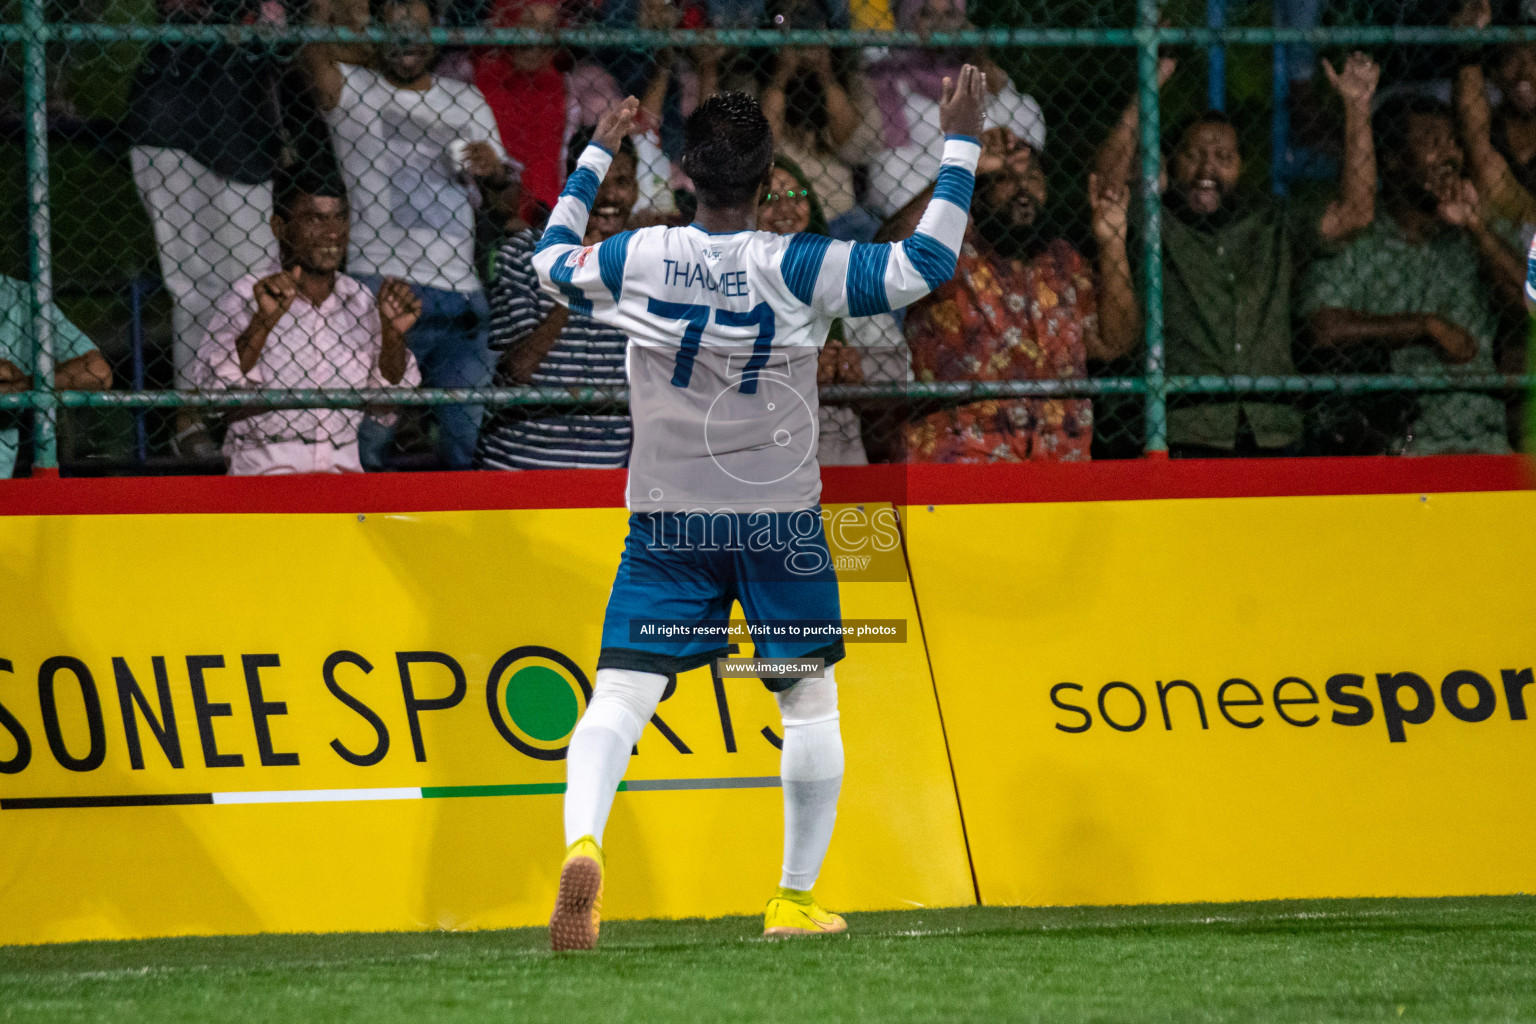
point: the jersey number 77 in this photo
(697, 318)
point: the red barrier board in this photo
(901, 484)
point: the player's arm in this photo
(866, 279)
(585, 286)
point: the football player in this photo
(725, 324)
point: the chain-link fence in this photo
(261, 236)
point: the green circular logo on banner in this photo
(536, 696)
(541, 703)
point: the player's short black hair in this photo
(289, 185)
(727, 149)
(1389, 125)
(1174, 139)
(579, 142)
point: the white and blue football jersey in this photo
(724, 332)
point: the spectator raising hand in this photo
(399, 308)
(1229, 260)
(1500, 143)
(1120, 322)
(414, 147)
(1356, 84)
(1111, 209)
(305, 324)
(1001, 149)
(1355, 206)
(274, 294)
(906, 88)
(543, 344)
(1023, 304)
(823, 119)
(1419, 285)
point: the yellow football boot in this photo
(574, 923)
(792, 912)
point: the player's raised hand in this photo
(963, 104)
(614, 126)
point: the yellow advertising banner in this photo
(1237, 698)
(318, 722)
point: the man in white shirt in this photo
(414, 148)
(304, 324)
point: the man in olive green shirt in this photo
(1422, 281)
(1229, 263)
(78, 364)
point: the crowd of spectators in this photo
(364, 216)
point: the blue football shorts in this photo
(681, 573)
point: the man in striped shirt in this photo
(545, 344)
(725, 325)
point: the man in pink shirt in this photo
(304, 324)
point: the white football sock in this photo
(622, 702)
(811, 767)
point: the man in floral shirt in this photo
(1023, 305)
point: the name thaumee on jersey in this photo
(695, 275)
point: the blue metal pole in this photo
(1216, 57)
(1279, 117)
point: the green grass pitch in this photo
(1321, 960)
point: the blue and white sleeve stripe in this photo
(1530, 278)
(927, 259)
(801, 265)
(568, 220)
(863, 280)
(587, 282)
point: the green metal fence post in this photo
(39, 236)
(1147, 14)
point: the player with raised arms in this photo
(725, 324)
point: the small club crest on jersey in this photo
(581, 257)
